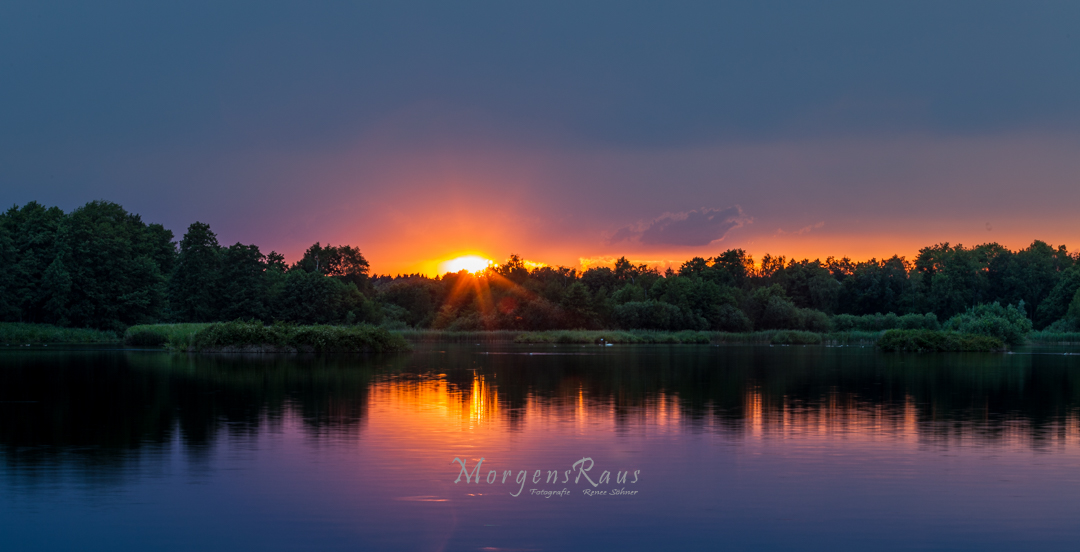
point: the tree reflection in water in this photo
(103, 409)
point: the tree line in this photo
(100, 266)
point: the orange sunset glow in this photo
(469, 263)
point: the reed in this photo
(937, 341)
(1054, 338)
(241, 336)
(21, 333)
(161, 335)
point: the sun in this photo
(471, 263)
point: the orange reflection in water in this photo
(441, 414)
(474, 414)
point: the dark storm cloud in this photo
(263, 117)
(235, 74)
(697, 227)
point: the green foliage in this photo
(243, 286)
(445, 336)
(1074, 308)
(851, 337)
(729, 318)
(21, 333)
(614, 337)
(628, 293)
(103, 267)
(795, 337)
(769, 308)
(873, 286)
(160, 335)
(1056, 305)
(1009, 324)
(29, 238)
(878, 322)
(1051, 335)
(417, 301)
(193, 287)
(240, 336)
(578, 303)
(311, 298)
(656, 315)
(936, 341)
(105, 271)
(1028, 275)
(343, 262)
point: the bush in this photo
(1009, 324)
(811, 320)
(936, 341)
(159, 335)
(926, 321)
(656, 315)
(795, 337)
(606, 336)
(145, 338)
(878, 322)
(254, 336)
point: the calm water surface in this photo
(755, 447)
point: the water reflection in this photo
(100, 406)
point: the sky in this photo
(569, 133)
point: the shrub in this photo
(606, 336)
(656, 315)
(933, 341)
(1010, 324)
(795, 337)
(730, 319)
(926, 321)
(159, 335)
(811, 320)
(844, 322)
(145, 338)
(242, 336)
(878, 322)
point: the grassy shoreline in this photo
(23, 333)
(254, 336)
(770, 337)
(1054, 338)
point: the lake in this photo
(705, 448)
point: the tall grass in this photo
(612, 336)
(240, 336)
(450, 336)
(852, 337)
(159, 335)
(937, 341)
(20, 333)
(1054, 338)
(637, 337)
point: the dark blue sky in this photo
(563, 122)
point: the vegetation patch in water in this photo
(937, 341)
(240, 336)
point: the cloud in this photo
(689, 228)
(801, 231)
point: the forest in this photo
(102, 267)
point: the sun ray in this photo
(468, 263)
